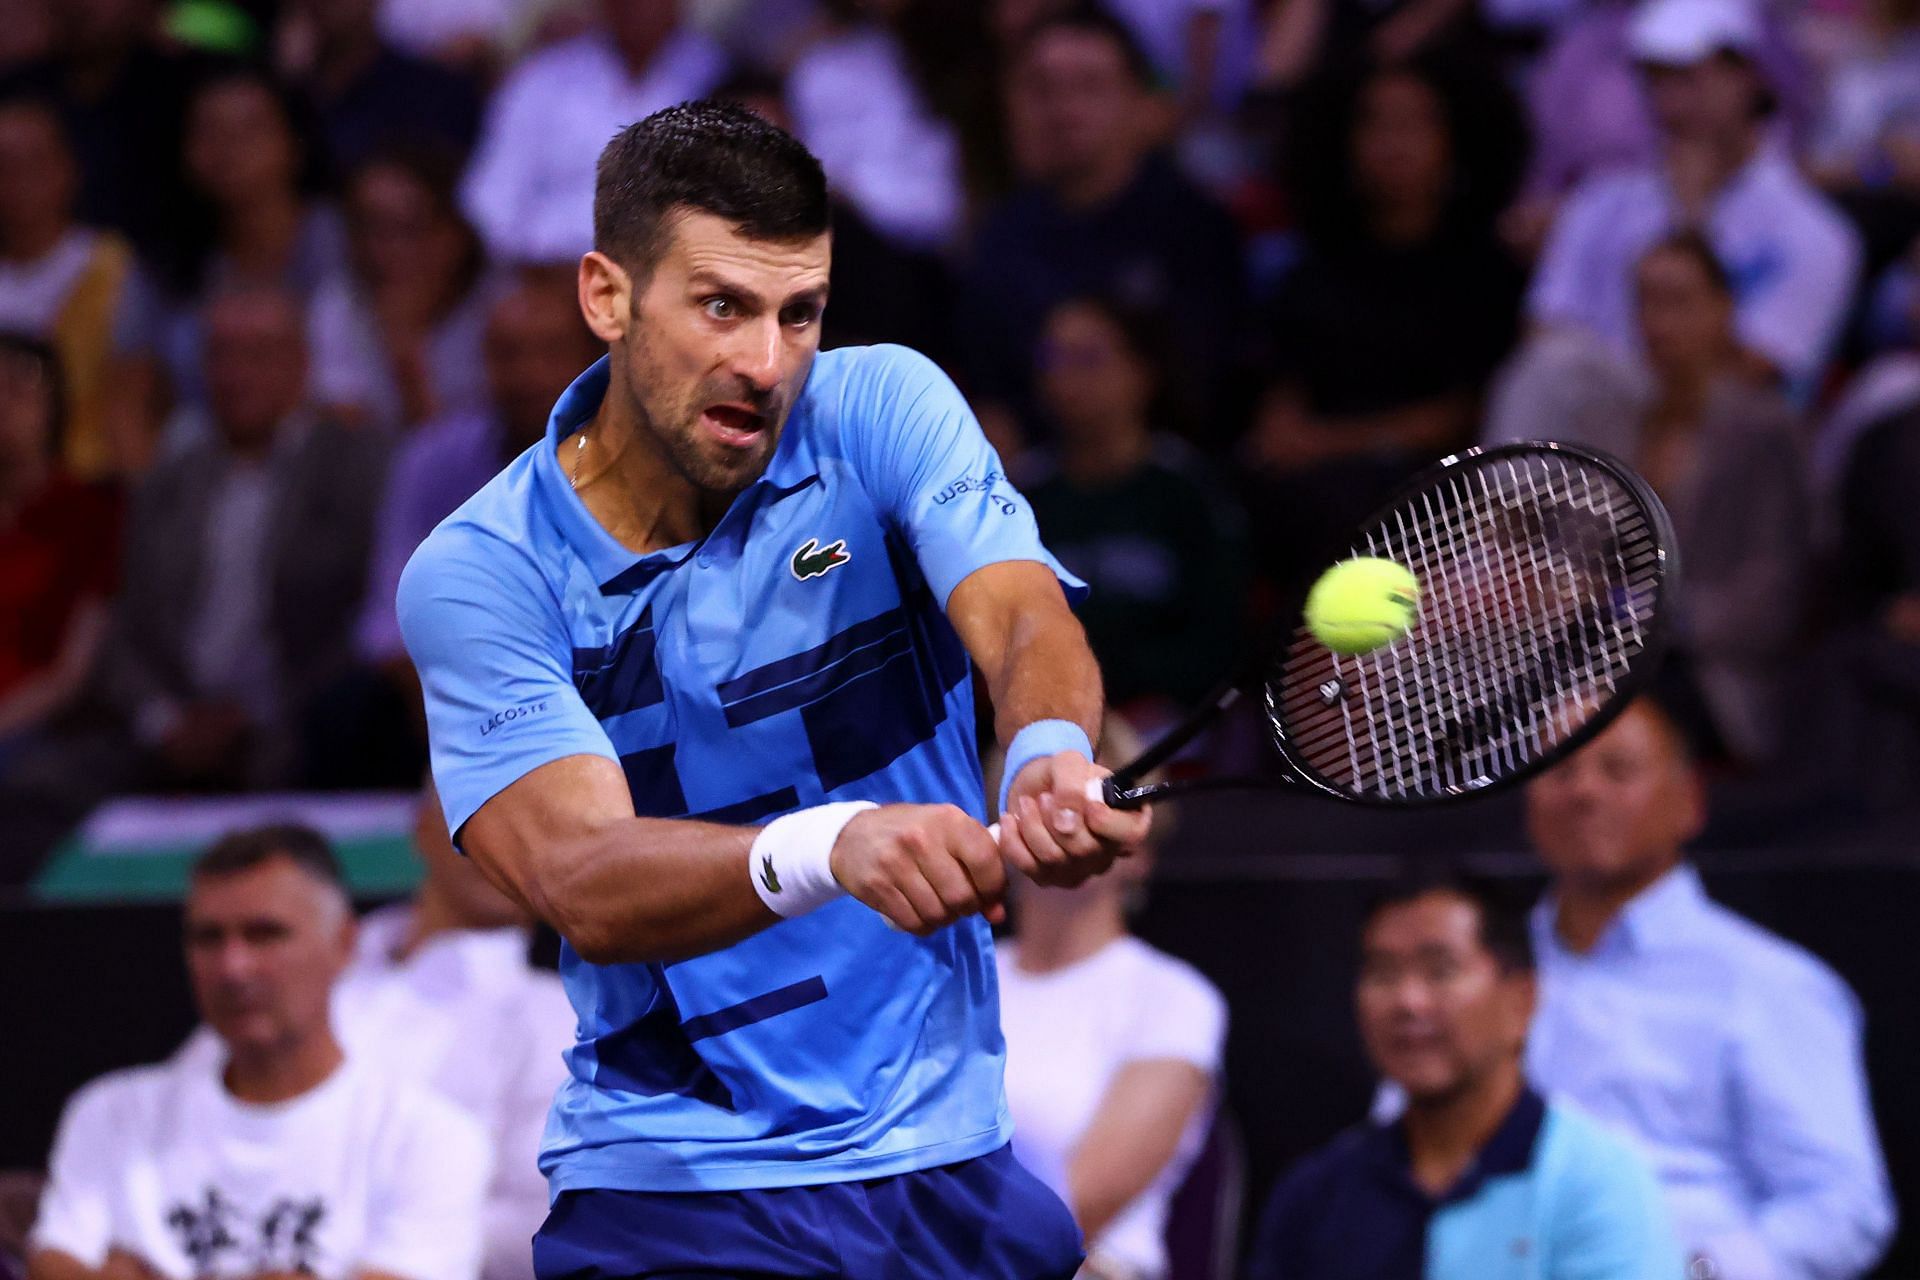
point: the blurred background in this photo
(282, 282)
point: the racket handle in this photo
(1097, 793)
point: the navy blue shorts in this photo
(981, 1219)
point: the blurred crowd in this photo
(282, 282)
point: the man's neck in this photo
(1087, 460)
(260, 236)
(284, 1072)
(1405, 224)
(629, 485)
(1060, 935)
(1586, 909)
(1445, 1135)
(1096, 184)
(30, 244)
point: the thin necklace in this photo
(578, 453)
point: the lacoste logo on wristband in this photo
(767, 875)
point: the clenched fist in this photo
(922, 866)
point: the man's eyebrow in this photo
(705, 278)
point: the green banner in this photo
(139, 849)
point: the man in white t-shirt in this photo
(440, 991)
(278, 1156)
(1113, 1054)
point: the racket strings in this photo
(1539, 576)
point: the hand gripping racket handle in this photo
(1099, 791)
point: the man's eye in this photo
(801, 317)
(722, 308)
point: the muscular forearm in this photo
(1046, 672)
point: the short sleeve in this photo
(427, 1221)
(76, 1209)
(485, 632)
(1610, 1220)
(1179, 1015)
(921, 453)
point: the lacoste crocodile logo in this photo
(810, 559)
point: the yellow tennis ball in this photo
(1361, 604)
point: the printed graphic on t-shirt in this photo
(220, 1237)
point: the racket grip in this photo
(1096, 794)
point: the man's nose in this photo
(756, 355)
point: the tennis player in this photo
(740, 583)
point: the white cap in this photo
(1679, 33)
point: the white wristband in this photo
(791, 864)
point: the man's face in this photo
(37, 174)
(1704, 101)
(721, 338)
(264, 947)
(1089, 378)
(256, 365)
(1615, 814)
(1437, 1012)
(1073, 89)
(1685, 319)
(535, 346)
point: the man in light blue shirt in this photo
(741, 582)
(1732, 1056)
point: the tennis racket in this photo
(1547, 580)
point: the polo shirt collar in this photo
(794, 467)
(1660, 912)
(1509, 1151)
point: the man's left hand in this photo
(1053, 834)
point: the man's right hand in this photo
(922, 866)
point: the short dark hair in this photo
(1504, 928)
(716, 157)
(1092, 19)
(243, 850)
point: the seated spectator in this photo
(367, 730)
(1792, 258)
(59, 548)
(371, 97)
(396, 340)
(1869, 134)
(530, 188)
(856, 105)
(257, 221)
(439, 992)
(1725, 454)
(1113, 1052)
(1101, 214)
(1401, 305)
(1134, 513)
(234, 613)
(59, 281)
(278, 1154)
(1730, 1056)
(1480, 1176)
(122, 97)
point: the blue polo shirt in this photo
(799, 653)
(1551, 1196)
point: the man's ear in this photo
(606, 296)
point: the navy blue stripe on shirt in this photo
(654, 782)
(804, 664)
(785, 999)
(846, 669)
(622, 676)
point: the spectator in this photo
(1480, 1176)
(1113, 1051)
(1402, 302)
(1731, 1056)
(1792, 258)
(440, 992)
(530, 190)
(371, 97)
(59, 281)
(856, 105)
(367, 730)
(1726, 455)
(1134, 514)
(1102, 215)
(122, 98)
(59, 547)
(396, 341)
(254, 175)
(1870, 128)
(278, 1154)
